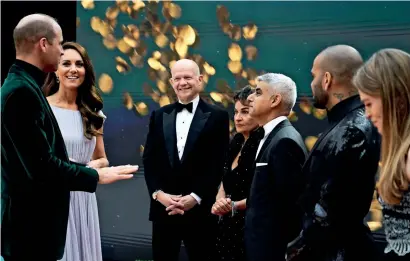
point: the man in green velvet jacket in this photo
(36, 174)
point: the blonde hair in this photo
(387, 75)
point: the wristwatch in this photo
(155, 194)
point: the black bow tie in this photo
(260, 133)
(180, 106)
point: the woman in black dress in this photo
(230, 202)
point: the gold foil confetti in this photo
(122, 65)
(251, 52)
(249, 31)
(319, 114)
(112, 12)
(235, 52)
(235, 66)
(305, 105)
(127, 101)
(105, 83)
(310, 142)
(87, 4)
(141, 108)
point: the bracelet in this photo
(233, 209)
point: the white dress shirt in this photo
(183, 123)
(268, 127)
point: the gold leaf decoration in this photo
(162, 86)
(292, 116)
(112, 12)
(181, 48)
(319, 114)
(187, 34)
(161, 40)
(141, 108)
(105, 83)
(310, 142)
(110, 42)
(164, 100)
(249, 31)
(235, 52)
(122, 66)
(88, 4)
(209, 69)
(127, 100)
(218, 97)
(123, 46)
(251, 52)
(235, 66)
(305, 105)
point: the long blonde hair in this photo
(387, 75)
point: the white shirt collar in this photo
(268, 127)
(195, 102)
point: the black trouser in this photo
(198, 237)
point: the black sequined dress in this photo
(236, 182)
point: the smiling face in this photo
(186, 80)
(71, 70)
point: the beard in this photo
(320, 98)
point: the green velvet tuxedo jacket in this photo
(36, 174)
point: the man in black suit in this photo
(341, 167)
(272, 219)
(183, 161)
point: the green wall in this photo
(289, 36)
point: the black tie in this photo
(260, 133)
(180, 106)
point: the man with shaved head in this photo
(183, 162)
(340, 170)
(36, 173)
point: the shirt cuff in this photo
(195, 196)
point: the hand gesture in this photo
(187, 203)
(112, 174)
(222, 206)
(171, 202)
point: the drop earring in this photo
(57, 80)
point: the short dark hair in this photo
(242, 94)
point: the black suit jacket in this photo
(201, 167)
(36, 175)
(272, 219)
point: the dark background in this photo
(13, 11)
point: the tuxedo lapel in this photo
(198, 123)
(169, 128)
(275, 130)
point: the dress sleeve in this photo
(102, 115)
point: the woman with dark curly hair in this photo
(230, 204)
(77, 105)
